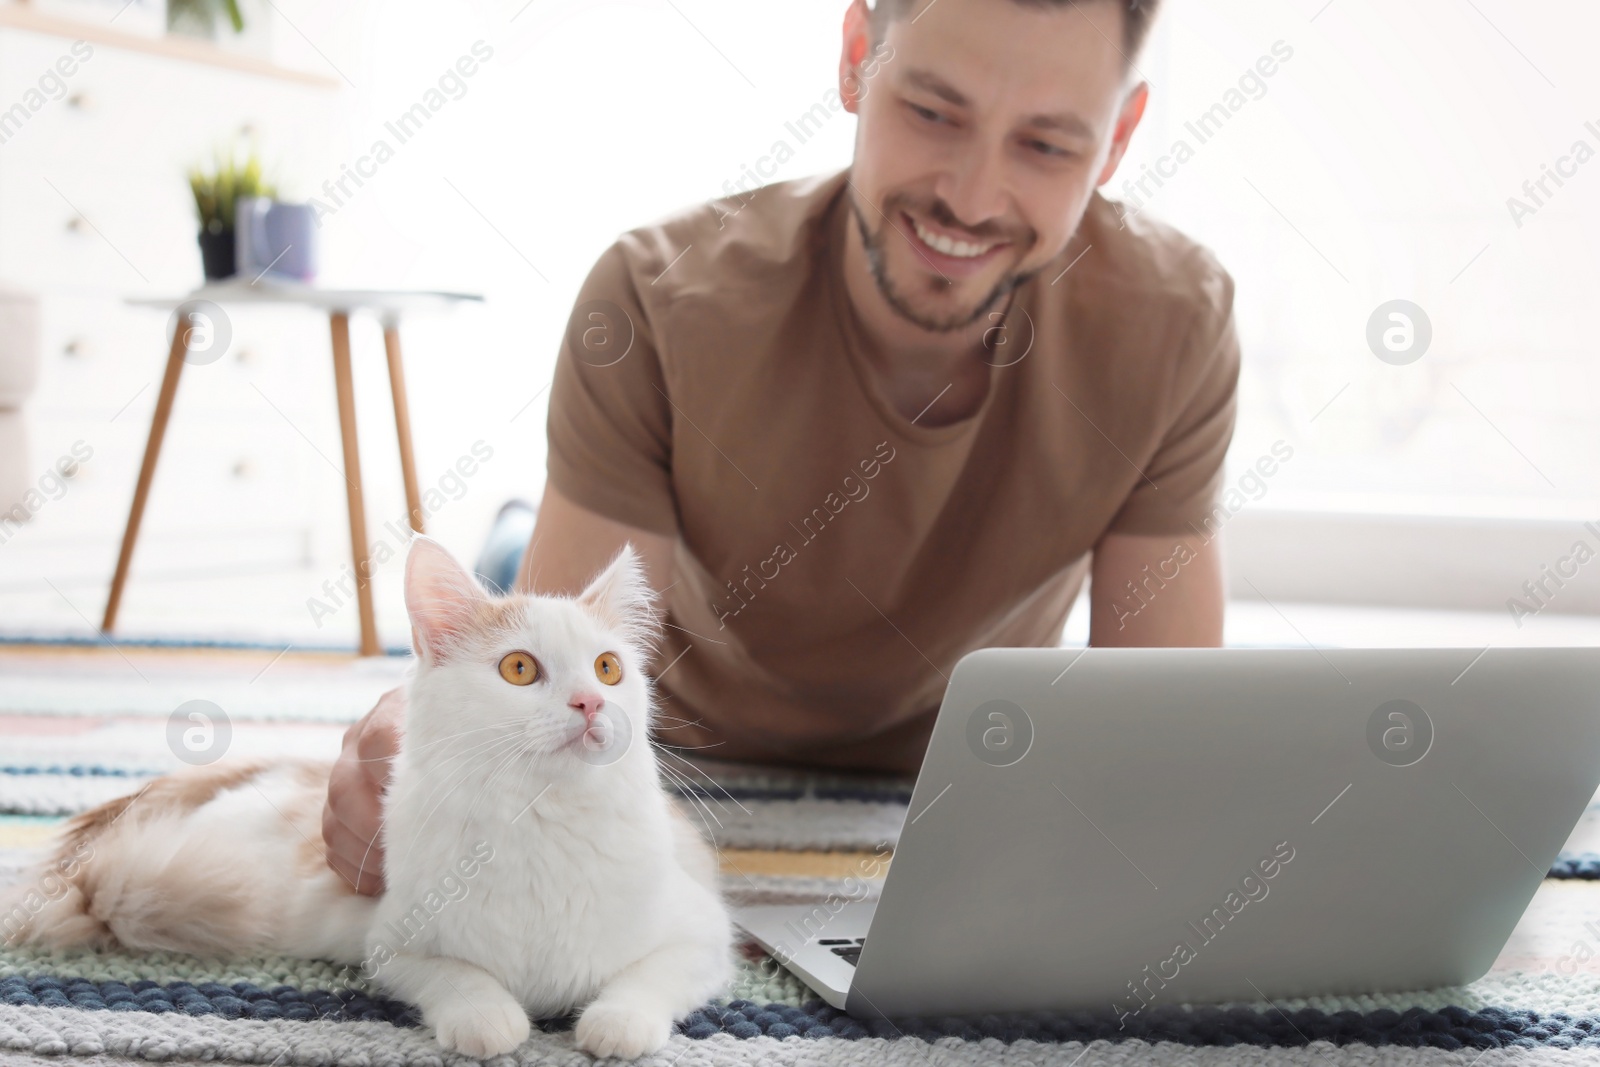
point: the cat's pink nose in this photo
(589, 703)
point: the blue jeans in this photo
(505, 546)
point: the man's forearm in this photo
(571, 545)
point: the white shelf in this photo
(22, 17)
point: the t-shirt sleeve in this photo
(1182, 480)
(610, 422)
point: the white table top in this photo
(388, 303)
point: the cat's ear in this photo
(620, 596)
(441, 597)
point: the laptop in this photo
(1131, 828)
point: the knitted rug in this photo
(1541, 1001)
(783, 836)
(1539, 1004)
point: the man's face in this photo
(981, 139)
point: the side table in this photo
(196, 317)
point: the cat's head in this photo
(556, 681)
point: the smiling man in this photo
(861, 424)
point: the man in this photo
(861, 424)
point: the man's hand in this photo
(352, 818)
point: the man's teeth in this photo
(939, 243)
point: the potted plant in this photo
(215, 196)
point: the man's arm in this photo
(1156, 591)
(570, 545)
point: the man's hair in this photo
(1136, 18)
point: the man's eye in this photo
(1045, 148)
(927, 114)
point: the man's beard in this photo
(902, 307)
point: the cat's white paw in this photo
(488, 1028)
(620, 1030)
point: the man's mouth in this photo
(946, 245)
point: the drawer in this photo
(102, 356)
(215, 476)
(72, 229)
(81, 567)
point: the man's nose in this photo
(588, 702)
(973, 188)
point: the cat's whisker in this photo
(498, 758)
(694, 785)
(509, 738)
(698, 808)
(441, 740)
(697, 748)
(691, 795)
(505, 762)
(505, 729)
(522, 786)
(476, 748)
(681, 723)
(702, 772)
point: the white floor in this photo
(290, 606)
(282, 605)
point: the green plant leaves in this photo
(216, 192)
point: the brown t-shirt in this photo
(834, 560)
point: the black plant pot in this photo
(216, 255)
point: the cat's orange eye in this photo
(519, 668)
(608, 668)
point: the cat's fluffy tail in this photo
(215, 861)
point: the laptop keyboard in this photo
(847, 949)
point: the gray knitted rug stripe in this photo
(803, 824)
(63, 1032)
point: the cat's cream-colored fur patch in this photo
(192, 862)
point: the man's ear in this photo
(1127, 122)
(620, 596)
(441, 598)
(857, 39)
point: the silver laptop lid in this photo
(1134, 827)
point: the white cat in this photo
(533, 861)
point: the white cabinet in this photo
(95, 208)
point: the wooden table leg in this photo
(402, 424)
(147, 469)
(344, 384)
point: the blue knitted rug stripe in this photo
(1584, 865)
(1449, 1028)
(79, 770)
(73, 640)
(869, 794)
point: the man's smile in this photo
(950, 253)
